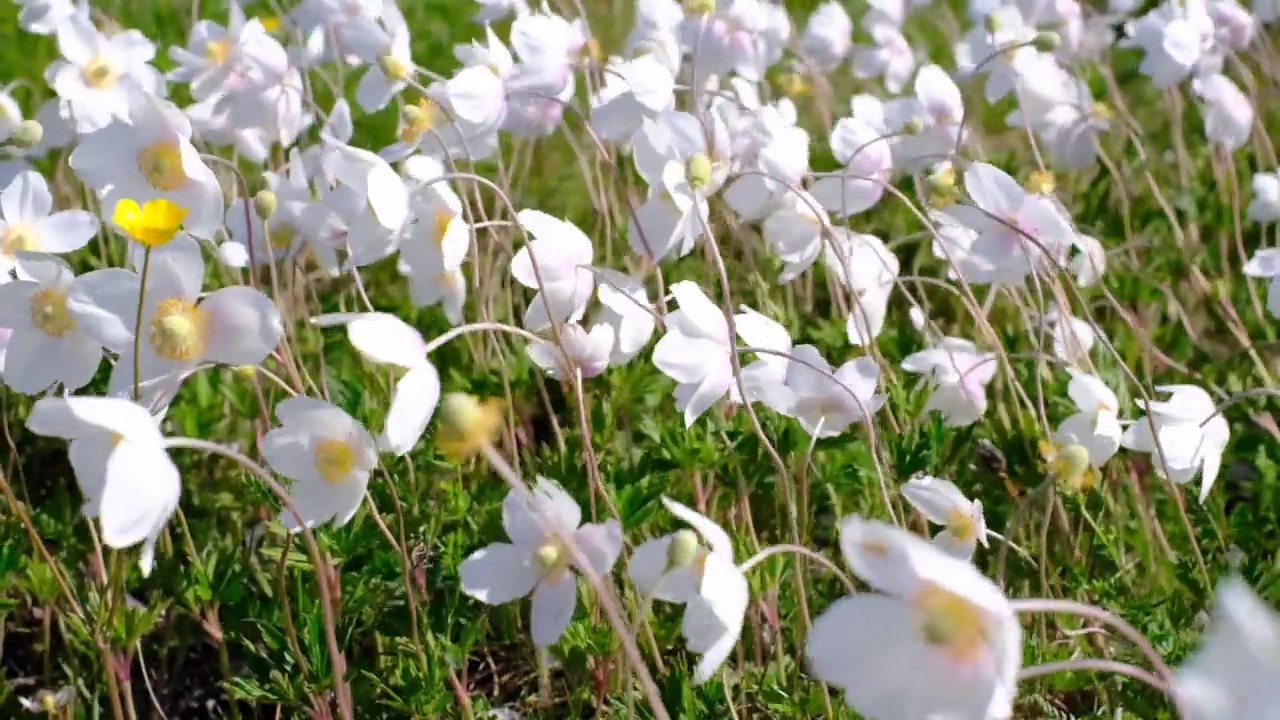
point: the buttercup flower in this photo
(153, 224)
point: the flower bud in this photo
(683, 549)
(992, 23)
(28, 134)
(1047, 41)
(1069, 468)
(264, 203)
(246, 371)
(467, 424)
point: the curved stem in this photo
(817, 557)
(323, 572)
(1093, 665)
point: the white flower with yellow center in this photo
(696, 568)
(384, 45)
(541, 523)
(47, 346)
(1095, 426)
(28, 226)
(151, 157)
(235, 325)
(99, 76)
(327, 455)
(136, 489)
(941, 641)
(942, 503)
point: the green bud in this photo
(993, 23)
(264, 203)
(1047, 41)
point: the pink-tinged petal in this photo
(243, 326)
(601, 543)
(992, 190)
(498, 574)
(554, 600)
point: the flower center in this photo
(217, 51)
(442, 220)
(18, 237)
(161, 164)
(99, 74)
(334, 460)
(550, 556)
(697, 170)
(49, 312)
(419, 119)
(1100, 112)
(395, 68)
(960, 524)
(951, 622)
(280, 236)
(177, 330)
(1069, 467)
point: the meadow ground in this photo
(230, 622)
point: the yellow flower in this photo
(153, 224)
(467, 424)
(1068, 466)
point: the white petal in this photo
(715, 536)
(244, 326)
(412, 406)
(498, 574)
(554, 600)
(140, 492)
(385, 338)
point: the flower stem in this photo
(137, 326)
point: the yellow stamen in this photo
(217, 51)
(960, 524)
(99, 74)
(18, 237)
(49, 312)
(177, 330)
(161, 164)
(951, 622)
(419, 119)
(334, 460)
(467, 424)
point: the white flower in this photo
(863, 264)
(627, 308)
(214, 61)
(891, 57)
(47, 346)
(235, 325)
(698, 572)
(44, 17)
(1236, 672)
(827, 36)
(384, 46)
(372, 178)
(1228, 116)
(633, 91)
(684, 164)
(867, 158)
(541, 523)
(1185, 435)
(587, 353)
(695, 351)
(943, 504)
(139, 488)
(28, 225)
(1265, 205)
(797, 232)
(1073, 338)
(326, 454)
(825, 400)
(1017, 232)
(99, 78)
(1174, 39)
(151, 156)
(940, 642)
(556, 263)
(1266, 264)
(1095, 426)
(960, 375)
